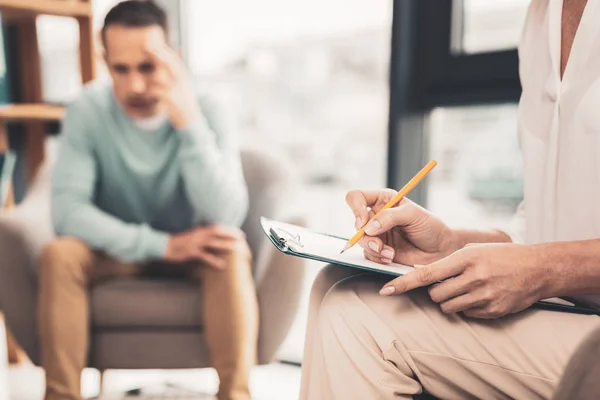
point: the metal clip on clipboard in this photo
(286, 238)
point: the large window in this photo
(487, 26)
(308, 79)
(479, 180)
(456, 88)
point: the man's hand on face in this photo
(206, 244)
(482, 281)
(172, 84)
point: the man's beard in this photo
(144, 104)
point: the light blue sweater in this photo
(123, 190)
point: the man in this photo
(148, 179)
(473, 335)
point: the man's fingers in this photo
(162, 81)
(211, 260)
(228, 232)
(163, 55)
(158, 56)
(221, 244)
(424, 276)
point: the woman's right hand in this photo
(406, 234)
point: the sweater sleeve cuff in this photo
(198, 132)
(155, 243)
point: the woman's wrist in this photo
(462, 237)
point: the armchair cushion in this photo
(146, 303)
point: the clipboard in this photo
(565, 306)
(299, 242)
(302, 242)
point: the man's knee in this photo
(239, 259)
(65, 258)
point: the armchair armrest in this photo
(273, 186)
(23, 233)
(18, 283)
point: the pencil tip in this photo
(346, 247)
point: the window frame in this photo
(428, 70)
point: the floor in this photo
(271, 382)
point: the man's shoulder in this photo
(95, 98)
(213, 103)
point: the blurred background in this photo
(355, 93)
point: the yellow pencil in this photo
(395, 200)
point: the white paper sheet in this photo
(304, 241)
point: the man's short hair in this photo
(136, 14)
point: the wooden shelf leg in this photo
(3, 137)
(86, 50)
(31, 86)
(35, 137)
(4, 147)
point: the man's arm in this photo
(209, 155)
(73, 211)
(211, 168)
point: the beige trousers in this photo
(361, 345)
(68, 268)
(580, 380)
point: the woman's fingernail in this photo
(419, 265)
(359, 222)
(388, 290)
(373, 246)
(372, 227)
(387, 254)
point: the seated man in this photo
(148, 180)
(460, 326)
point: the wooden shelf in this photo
(31, 112)
(66, 8)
